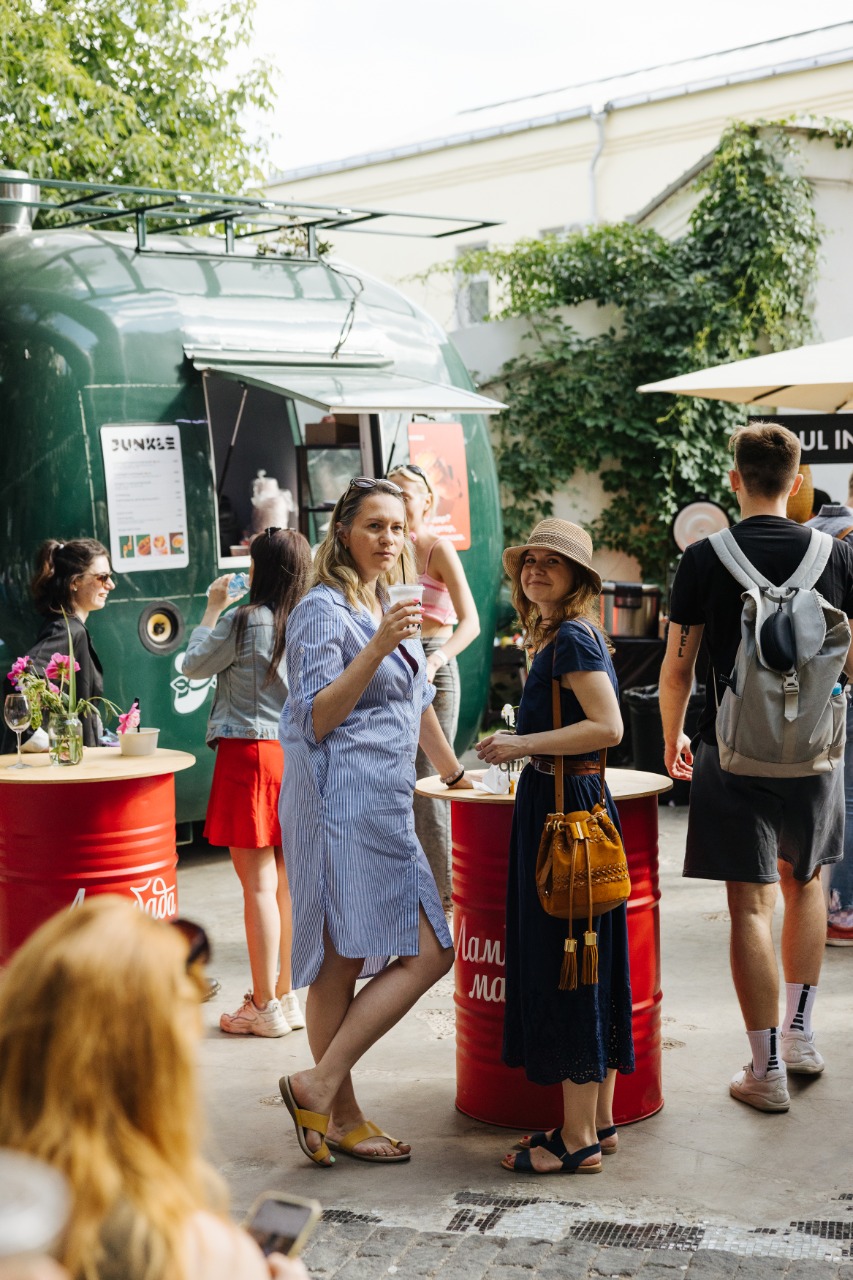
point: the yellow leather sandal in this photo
(305, 1120)
(361, 1134)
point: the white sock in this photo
(765, 1056)
(799, 1001)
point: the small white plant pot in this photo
(139, 742)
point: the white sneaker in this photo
(249, 1020)
(800, 1055)
(292, 1011)
(768, 1094)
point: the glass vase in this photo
(65, 739)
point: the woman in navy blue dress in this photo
(577, 1038)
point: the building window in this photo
(472, 293)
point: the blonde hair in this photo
(99, 1023)
(419, 477)
(333, 564)
(581, 602)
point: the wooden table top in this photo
(100, 764)
(624, 784)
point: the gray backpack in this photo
(779, 717)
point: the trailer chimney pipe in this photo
(15, 219)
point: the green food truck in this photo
(172, 382)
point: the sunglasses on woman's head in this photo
(418, 471)
(271, 529)
(368, 482)
(197, 941)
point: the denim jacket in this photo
(243, 706)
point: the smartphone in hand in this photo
(281, 1223)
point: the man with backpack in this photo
(837, 520)
(771, 599)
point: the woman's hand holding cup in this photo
(401, 622)
(407, 593)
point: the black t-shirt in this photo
(704, 592)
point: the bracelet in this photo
(441, 657)
(453, 778)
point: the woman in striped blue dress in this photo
(358, 707)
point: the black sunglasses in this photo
(271, 529)
(197, 941)
(369, 482)
(417, 471)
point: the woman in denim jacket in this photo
(245, 651)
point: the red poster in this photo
(438, 448)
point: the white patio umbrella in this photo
(817, 377)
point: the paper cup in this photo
(138, 742)
(405, 593)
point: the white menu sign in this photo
(146, 500)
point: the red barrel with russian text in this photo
(87, 838)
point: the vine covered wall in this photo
(741, 276)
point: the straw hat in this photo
(557, 535)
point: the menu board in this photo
(438, 448)
(146, 500)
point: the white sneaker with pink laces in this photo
(249, 1020)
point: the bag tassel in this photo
(569, 971)
(590, 939)
(590, 958)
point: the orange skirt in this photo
(242, 811)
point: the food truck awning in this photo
(352, 390)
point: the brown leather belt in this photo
(545, 764)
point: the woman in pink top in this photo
(450, 623)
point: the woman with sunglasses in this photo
(245, 651)
(75, 578)
(450, 623)
(358, 706)
(99, 1032)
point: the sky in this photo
(357, 75)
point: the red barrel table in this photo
(485, 1088)
(67, 831)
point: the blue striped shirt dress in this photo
(348, 833)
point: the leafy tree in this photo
(741, 276)
(129, 91)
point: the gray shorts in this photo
(738, 828)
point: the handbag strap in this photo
(557, 711)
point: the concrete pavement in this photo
(707, 1187)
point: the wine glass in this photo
(16, 712)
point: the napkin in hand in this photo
(495, 781)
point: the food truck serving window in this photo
(146, 501)
(253, 456)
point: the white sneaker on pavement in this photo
(800, 1055)
(292, 1011)
(249, 1020)
(767, 1094)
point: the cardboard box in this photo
(332, 431)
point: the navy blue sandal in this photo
(571, 1161)
(541, 1139)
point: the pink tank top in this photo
(437, 603)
